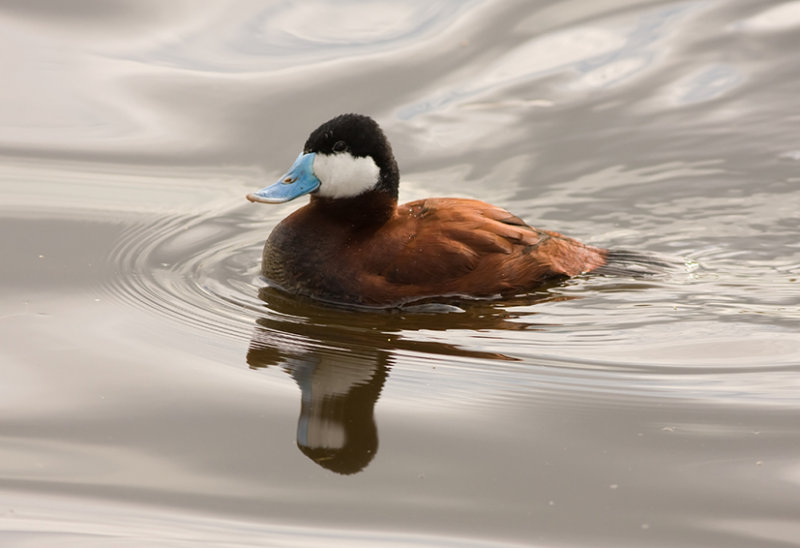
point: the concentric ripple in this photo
(697, 334)
(200, 270)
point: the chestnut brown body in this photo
(368, 251)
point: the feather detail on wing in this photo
(476, 248)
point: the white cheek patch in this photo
(344, 175)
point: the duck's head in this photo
(345, 157)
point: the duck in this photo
(353, 244)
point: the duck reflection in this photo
(339, 390)
(341, 358)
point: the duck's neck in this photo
(370, 208)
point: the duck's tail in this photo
(621, 262)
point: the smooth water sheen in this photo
(156, 392)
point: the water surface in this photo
(157, 392)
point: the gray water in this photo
(156, 393)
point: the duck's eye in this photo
(339, 146)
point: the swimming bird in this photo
(353, 244)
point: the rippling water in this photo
(157, 392)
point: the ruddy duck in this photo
(353, 244)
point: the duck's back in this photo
(468, 247)
(428, 248)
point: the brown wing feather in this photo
(451, 245)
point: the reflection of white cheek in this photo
(343, 175)
(317, 432)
